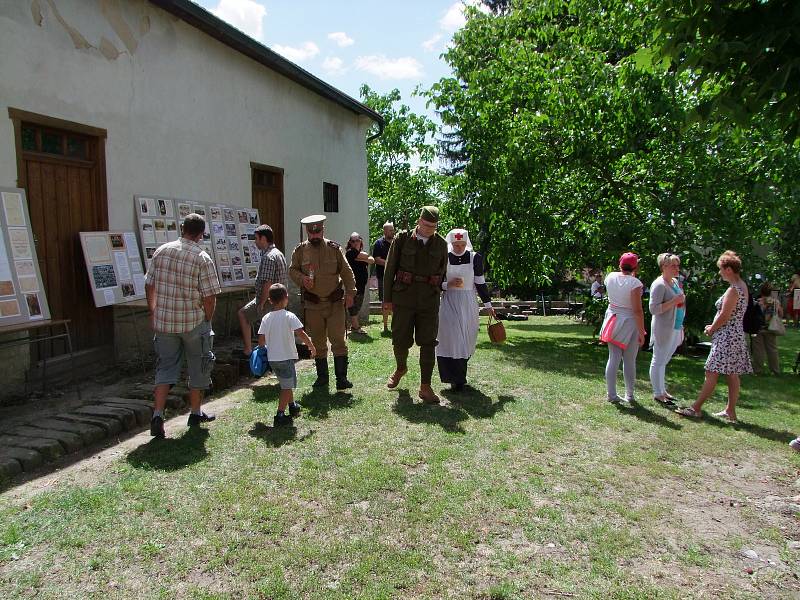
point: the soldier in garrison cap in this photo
(320, 269)
(412, 283)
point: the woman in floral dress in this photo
(730, 354)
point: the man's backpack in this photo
(754, 320)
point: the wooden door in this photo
(268, 199)
(63, 175)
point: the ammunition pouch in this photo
(408, 278)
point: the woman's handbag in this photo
(776, 325)
(496, 330)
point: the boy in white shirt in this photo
(277, 331)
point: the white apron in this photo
(458, 314)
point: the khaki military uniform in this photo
(412, 283)
(324, 303)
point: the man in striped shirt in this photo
(271, 269)
(182, 286)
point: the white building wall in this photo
(185, 114)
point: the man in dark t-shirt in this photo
(380, 250)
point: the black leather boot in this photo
(340, 369)
(322, 373)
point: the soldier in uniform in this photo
(321, 271)
(412, 282)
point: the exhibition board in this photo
(229, 237)
(233, 234)
(22, 296)
(114, 266)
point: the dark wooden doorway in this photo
(268, 199)
(61, 165)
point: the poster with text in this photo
(114, 266)
(22, 294)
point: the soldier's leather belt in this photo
(408, 278)
(335, 296)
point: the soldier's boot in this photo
(322, 373)
(340, 370)
(427, 395)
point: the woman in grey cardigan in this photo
(668, 307)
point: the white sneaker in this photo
(795, 444)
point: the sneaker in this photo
(283, 421)
(157, 427)
(294, 409)
(795, 444)
(195, 420)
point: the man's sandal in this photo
(394, 378)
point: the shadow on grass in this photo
(360, 338)
(469, 403)
(766, 433)
(277, 436)
(267, 392)
(318, 403)
(582, 358)
(646, 415)
(171, 454)
(569, 328)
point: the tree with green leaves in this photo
(573, 150)
(746, 53)
(400, 177)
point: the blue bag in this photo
(259, 363)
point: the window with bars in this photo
(330, 197)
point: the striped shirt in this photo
(271, 268)
(182, 274)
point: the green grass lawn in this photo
(530, 485)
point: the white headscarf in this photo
(458, 235)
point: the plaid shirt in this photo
(182, 274)
(271, 268)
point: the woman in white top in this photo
(623, 326)
(458, 311)
(668, 307)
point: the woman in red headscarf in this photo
(623, 327)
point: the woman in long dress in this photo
(458, 311)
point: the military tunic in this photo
(412, 283)
(324, 312)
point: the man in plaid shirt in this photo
(271, 269)
(182, 286)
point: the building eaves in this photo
(198, 17)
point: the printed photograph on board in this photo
(9, 308)
(147, 207)
(233, 245)
(34, 308)
(225, 274)
(127, 289)
(221, 244)
(229, 215)
(184, 210)
(230, 229)
(238, 274)
(223, 259)
(216, 213)
(117, 243)
(15, 214)
(103, 276)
